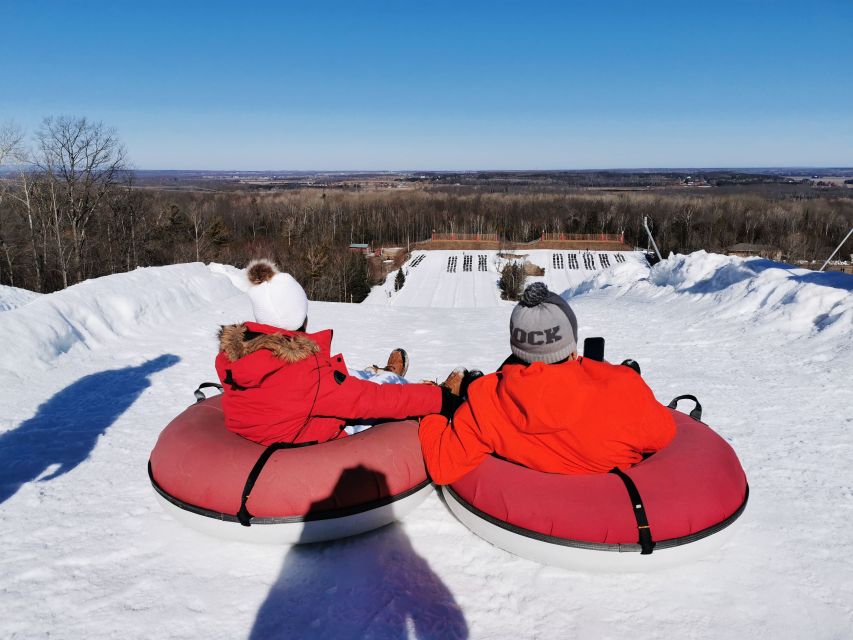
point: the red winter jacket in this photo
(284, 386)
(580, 416)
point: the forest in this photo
(71, 208)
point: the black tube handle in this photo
(199, 394)
(696, 414)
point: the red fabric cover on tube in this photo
(198, 461)
(693, 483)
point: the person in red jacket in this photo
(281, 384)
(547, 408)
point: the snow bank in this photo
(236, 276)
(92, 313)
(621, 276)
(12, 297)
(761, 291)
(752, 290)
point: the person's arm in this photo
(452, 447)
(348, 398)
(660, 426)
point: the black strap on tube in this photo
(199, 394)
(243, 514)
(646, 542)
(696, 414)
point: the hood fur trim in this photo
(290, 348)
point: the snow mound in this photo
(94, 312)
(12, 297)
(761, 291)
(236, 276)
(621, 277)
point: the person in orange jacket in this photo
(547, 408)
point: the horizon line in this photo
(517, 170)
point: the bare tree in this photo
(127, 216)
(33, 207)
(288, 228)
(11, 138)
(199, 215)
(83, 161)
(316, 258)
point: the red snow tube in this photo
(200, 471)
(693, 488)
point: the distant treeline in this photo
(73, 212)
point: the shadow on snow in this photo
(372, 585)
(65, 429)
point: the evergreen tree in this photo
(399, 280)
(511, 283)
(359, 284)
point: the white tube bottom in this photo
(585, 559)
(298, 532)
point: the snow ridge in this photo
(13, 297)
(797, 301)
(752, 290)
(92, 313)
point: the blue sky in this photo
(441, 85)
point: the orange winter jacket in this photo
(580, 416)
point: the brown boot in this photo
(398, 362)
(454, 381)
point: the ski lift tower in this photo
(651, 239)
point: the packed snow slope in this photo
(470, 278)
(12, 297)
(90, 375)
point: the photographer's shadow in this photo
(372, 585)
(66, 428)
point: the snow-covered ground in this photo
(89, 376)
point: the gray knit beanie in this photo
(543, 327)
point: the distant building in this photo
(746, 250)
(360, 248)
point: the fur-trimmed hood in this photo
(238, 340)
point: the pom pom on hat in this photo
(277, 298)
(535, 294)
(260, 271)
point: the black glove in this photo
(633, 364)
(450, 402)
(467, 379)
